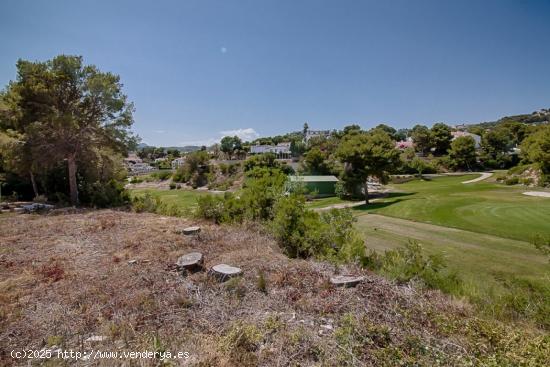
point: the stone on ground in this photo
(224, 272)
(346, 280)
(192, 262)
(191, 230)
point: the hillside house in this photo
(281, 150)
(177, 163)
(316, 133)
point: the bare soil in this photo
(111, 275)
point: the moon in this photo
(223, 50)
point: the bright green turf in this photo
(479, 207)
(181, 198)
(480, 259)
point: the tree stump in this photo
(223, 272)
(191, 230)
(190, 262)
(346, 280)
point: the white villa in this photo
(281, 150)
(178, 162)
(315, 133)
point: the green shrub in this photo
(182, 174)
(345, 243)
(527, 181)
(299, 231)
(303, 233)
(105, 195)
(514, 180)
(410, 263)
(340, 190)
(172, 186)
(519, 169)
(212, 207)
(162, 175)
(145, 203)
(136, 180)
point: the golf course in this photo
(483, 207)
(483, 230)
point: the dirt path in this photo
(484, 176)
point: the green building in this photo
(320, 185)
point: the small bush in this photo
(240, 343)
(162, 175)
(136, 180)
(172, 186)
(262, 282)
(105, 195)
(410, 263)
(145, 203)
(514, 180)
(212, 207)
(304, 233)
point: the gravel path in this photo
(484, 176)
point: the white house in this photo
(282, 150)
(178, 162)
(316, 133)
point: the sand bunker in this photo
(543, 194)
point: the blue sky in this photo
(197, 70)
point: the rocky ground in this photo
(107, 281)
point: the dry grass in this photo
(65, 278)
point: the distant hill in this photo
(185, 149)
(538, 117)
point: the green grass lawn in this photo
(479, 207)
(183, 199)
(481, 259)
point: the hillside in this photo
(537, 117)
(111, 275)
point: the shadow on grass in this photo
(390, 199)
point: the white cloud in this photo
(247, 134)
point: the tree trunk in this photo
(366, 193)
(71, 161)
(33, 182)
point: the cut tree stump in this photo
(191, 262)
(223, 272)
(346, 280)
(191, 230)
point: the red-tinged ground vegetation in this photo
(67, 277)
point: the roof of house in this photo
(327, 178)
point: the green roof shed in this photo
(321, 185)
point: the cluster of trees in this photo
(64, 128)
(436, 140)
(150, 153)
(195, 170)
(232, 146)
